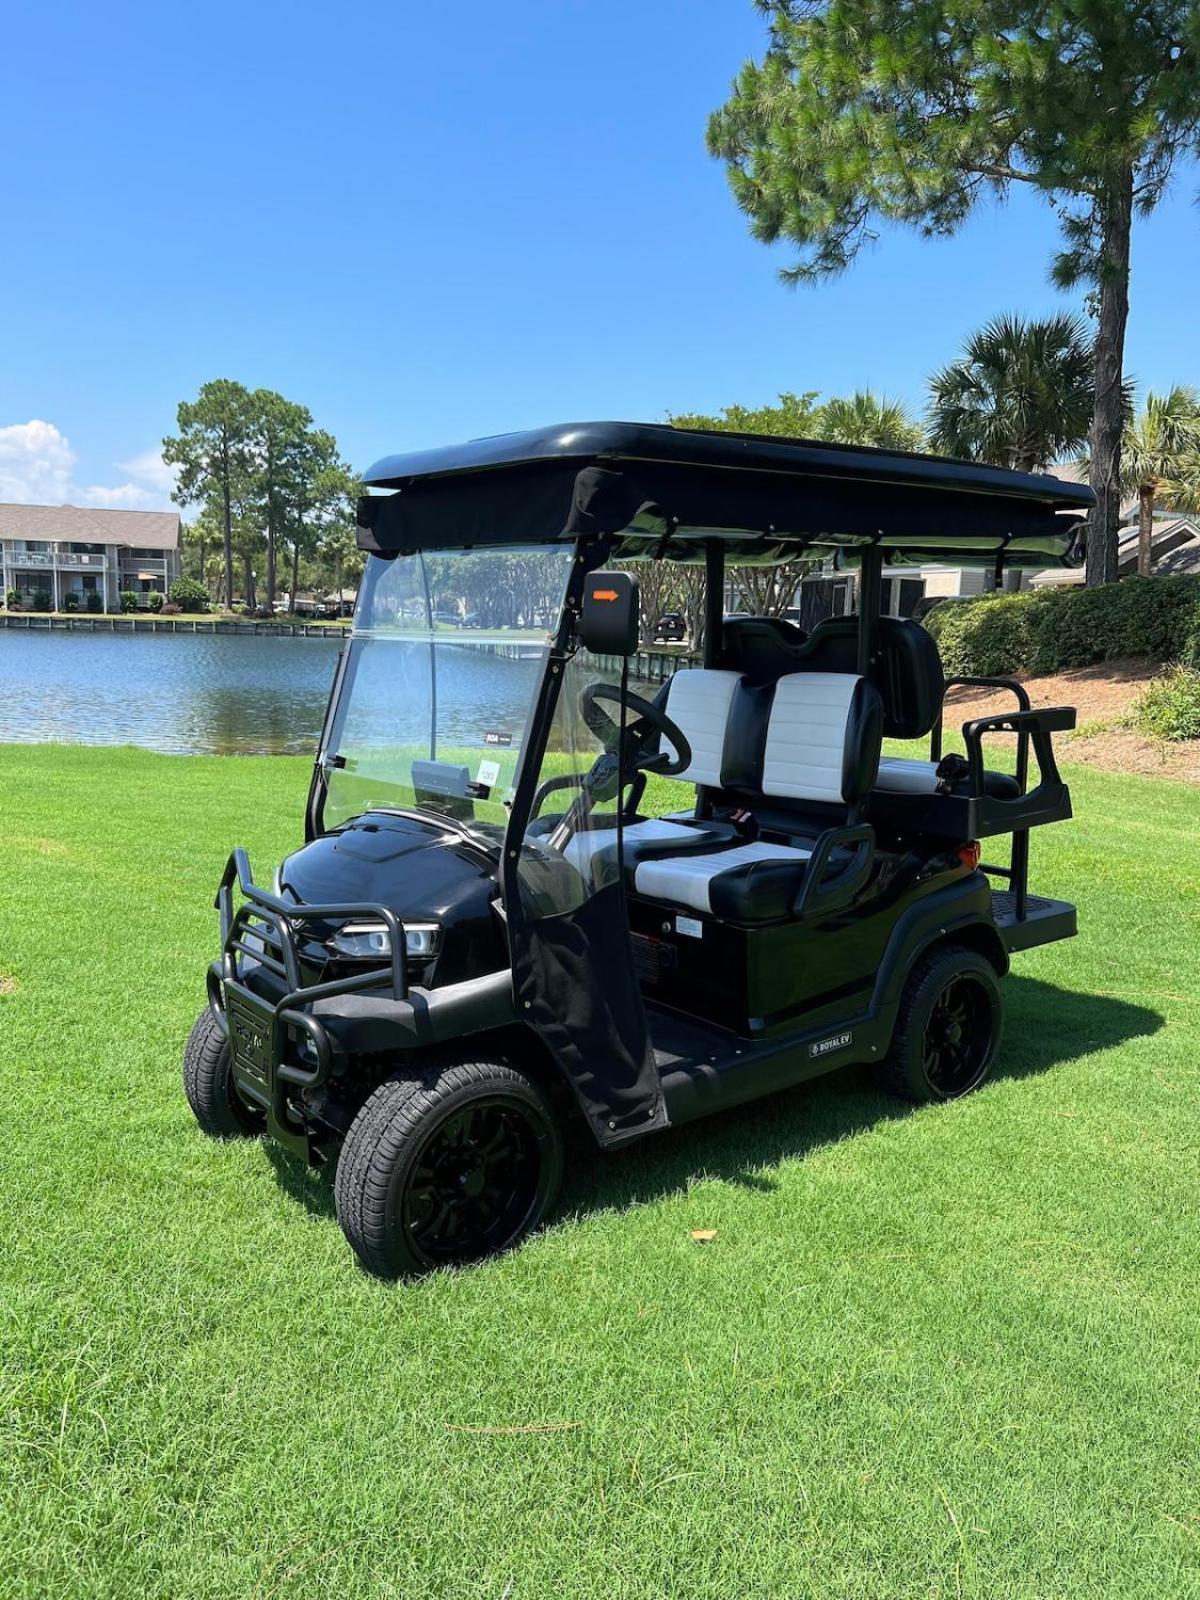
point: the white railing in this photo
(59, 558)
(77, 558)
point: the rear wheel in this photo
(949, 1026)
(446, 1165)
(209, 1086)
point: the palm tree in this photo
(866, 418)
(1020, 395)
(1159, 456)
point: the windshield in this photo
(445, 655)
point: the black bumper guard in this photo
(273, 923)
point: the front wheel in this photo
(948, 1030)
(209, 1086)
(446, 1165)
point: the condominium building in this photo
(50, 552)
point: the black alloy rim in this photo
(475, 1181)
(958, 1037)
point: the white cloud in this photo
(149, 468)
(36, 462)
(120, 497)
(37, 467)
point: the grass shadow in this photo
(311, 1186)
(1045, 1027)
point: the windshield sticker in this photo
(488, 774)
(491, 737)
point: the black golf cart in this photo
(531, 894)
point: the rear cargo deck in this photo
(1044, 922)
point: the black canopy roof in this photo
(665, 491)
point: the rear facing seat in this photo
(898, 775)
(907, 671)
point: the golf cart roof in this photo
(664, 491)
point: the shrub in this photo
(1136, 617)
(1169, 707)
(189, 595)
(129, 599)
(13, 600)
(1047, 630)
(983, 637)
(71, 601)
(41, 600)
(95, 601)
(155, 599)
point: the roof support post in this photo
(714, 599)
(870, 593)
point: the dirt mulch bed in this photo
(1103, 696)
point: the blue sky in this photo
(433, 221)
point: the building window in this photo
(901, 595)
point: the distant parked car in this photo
(671, 628)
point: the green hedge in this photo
(1047, 630)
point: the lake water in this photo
(222, 694)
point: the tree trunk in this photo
(251, 597)
(295, 575)
(272, 550)
(1109, 414)
(1145, 530)
(227, 508)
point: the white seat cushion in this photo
(806, 736)
(687, 880)
(583, 846)
(900, 776)
(698, 703)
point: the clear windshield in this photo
(445, 655)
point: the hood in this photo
(416, 868)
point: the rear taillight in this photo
(969, 854)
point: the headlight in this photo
(371, 941)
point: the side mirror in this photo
(609, 626)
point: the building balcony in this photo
(131, 566)
(63, 560)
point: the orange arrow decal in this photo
(605, 594)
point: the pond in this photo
(202, 693)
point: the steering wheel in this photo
(649, 721)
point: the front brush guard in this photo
(266, 1072)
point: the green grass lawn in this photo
(936, 1353)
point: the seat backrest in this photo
(812, 736)
(699, 701)
(823, 738)
(907, 669)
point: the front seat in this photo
(820, 756)
(700, 702)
